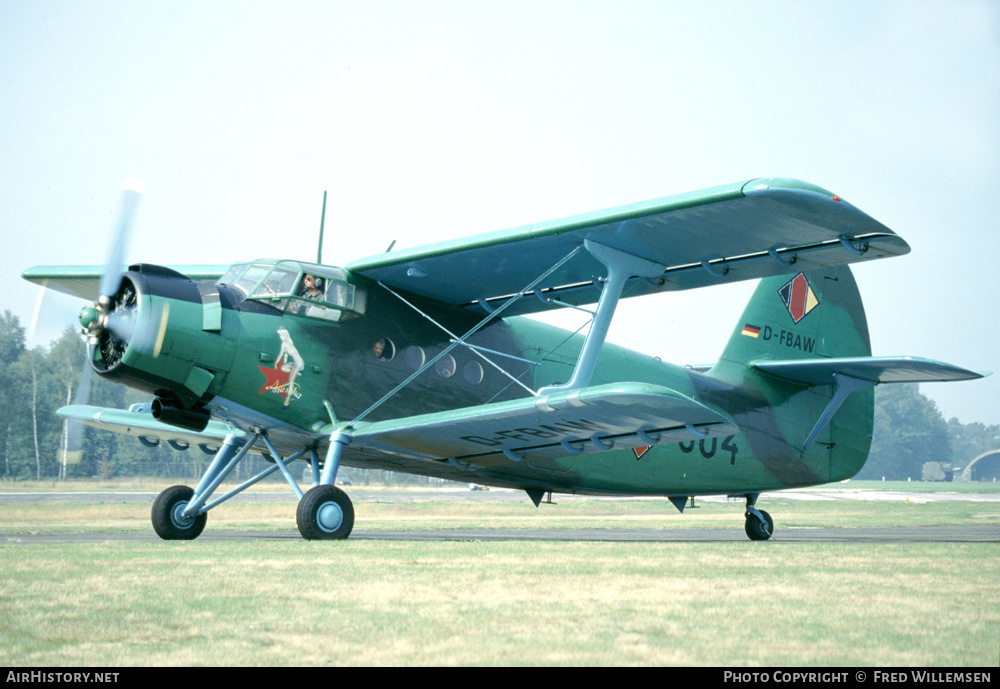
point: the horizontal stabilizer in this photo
(593, 419)
(851, 374)
(888, 369)
(142, 425)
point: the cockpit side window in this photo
(299, 288)
(233, 274)
(251, 277)
(341, 294)
(278, 284)
(312, 287)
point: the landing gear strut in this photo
(180, 513)
(759, 525)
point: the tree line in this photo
(909, 428)
(35, 383)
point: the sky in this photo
(433, 120)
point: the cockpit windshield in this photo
(299, 288)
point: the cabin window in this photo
(414, 357)
(473, 372)
(384, 349)
(445, 366)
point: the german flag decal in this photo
(799, 297)
(751, 330)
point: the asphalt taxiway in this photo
(916, 534)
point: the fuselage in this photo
(273, 360)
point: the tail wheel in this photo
(325, 513)
(755, 528)
(168, 520)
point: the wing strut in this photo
(461, 341)
(844, 385)
(478, 351)
(621, 266)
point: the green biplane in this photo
(421, 360)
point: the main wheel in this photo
(325, 513)
(757, 531)
(168, 521)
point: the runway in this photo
(922, 534)
(917, 534)
(496, 495)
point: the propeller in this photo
(133, 192)
(108, 322)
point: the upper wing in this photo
(594, 419)
(84, 281)
(725, 234)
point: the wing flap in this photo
(588, 420)
(737, 232)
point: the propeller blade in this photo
(121, 324)
(38, 309)
(72, 451)
(131, 199)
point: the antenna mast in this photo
(322, 222)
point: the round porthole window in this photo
(473, 372)
(384, 349)
(414, 357)
(445, 366)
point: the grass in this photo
(489, 603)
(369, 602)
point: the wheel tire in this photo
(755, 530)
(325, 513)
(167, 521)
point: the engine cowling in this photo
(164, 334)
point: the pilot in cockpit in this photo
(312, 287)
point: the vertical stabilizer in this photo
(813, 316)
(810, 315)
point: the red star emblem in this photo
(276, 380)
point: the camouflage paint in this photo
(244, 370)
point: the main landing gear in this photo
(759, 525)
(169, 521)
(324, 512)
